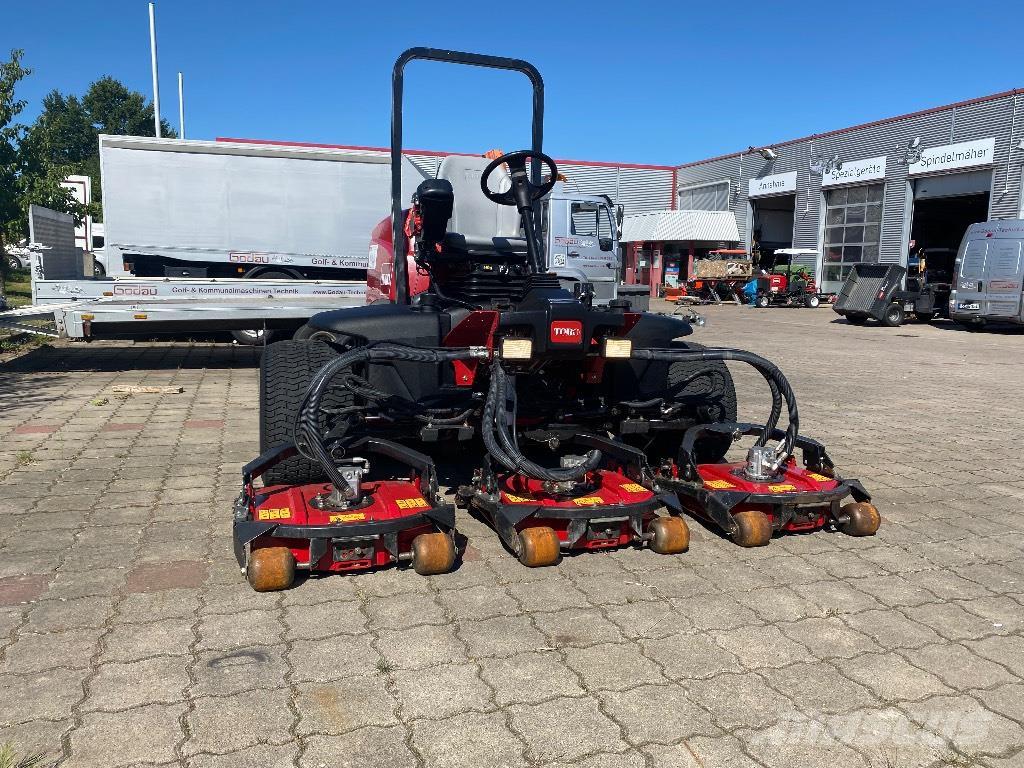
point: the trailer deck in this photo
(87, 308)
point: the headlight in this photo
(618, 348)
(516, 349)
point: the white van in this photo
(989, 274)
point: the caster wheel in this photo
(538, 547)
(864, 519)
(270, 569)
(432, 553)
(755, 530)
(670, 535)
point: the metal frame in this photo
(400, 268)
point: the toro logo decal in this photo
(567, 332)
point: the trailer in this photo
(68, 304)
(216, 209)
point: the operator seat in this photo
(478, 228)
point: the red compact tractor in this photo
(586, 427)
(787, 284)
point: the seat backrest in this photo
(475, 216)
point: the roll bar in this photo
(400, 265)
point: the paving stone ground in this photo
(128, 637)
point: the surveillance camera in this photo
(768, 153)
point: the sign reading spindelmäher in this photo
(855, 172)
(776, 184)
(949, 157)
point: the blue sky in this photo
(647, 82)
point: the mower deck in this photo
(607, 510)
(793, 499)
(390, 521)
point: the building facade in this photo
(891, 191)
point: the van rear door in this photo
(971, 277)
(1002, 286)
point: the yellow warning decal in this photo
(587, 501)
(282, 513)
(819, 478)
(633, 488)
(348, 517)
(719, 485)
(781, 488)
(517, 499)
(417, 502)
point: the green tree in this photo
(11, 73)
(64, 140)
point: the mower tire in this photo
(893, 316)
(432, 553)
(538, 547)
(270, 569)
(864, 519)
(811, 302)
(285, 372)
(669, 535)
(712, 396)
(762, 301)
(754, 529)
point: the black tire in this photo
(285, 372)
(707, 388)
(856, 319)
(893, 316)
(13, 262)
(811, 302)
(98, 270)
(761, 301)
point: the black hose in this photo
(502, 445)
(308, 439)
(777, 383)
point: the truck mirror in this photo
(606, 243)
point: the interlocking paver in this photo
(341, 706)
(140, 735)
(529, 678)
(443, 690)
(662, 714)
(467, 741)
(565, 729)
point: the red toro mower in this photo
(587, 427)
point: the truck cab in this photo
(580, 233)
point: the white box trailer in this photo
(69, 304)
(197, 209)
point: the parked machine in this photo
(593, 427)
(872, 291)
(989, 275)
(788, 284)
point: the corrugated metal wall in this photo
(979, 120)
(640, 190)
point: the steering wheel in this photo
(523, 191)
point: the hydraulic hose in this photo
(501, 444)
(777, 383)
(308, 439)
